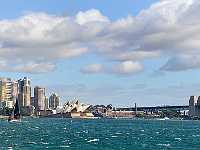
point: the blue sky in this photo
(102, 52)
(12, 9)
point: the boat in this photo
(15, 116)
(165, 118)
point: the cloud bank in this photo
(123, 68)
(169, 28)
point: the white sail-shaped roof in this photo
(74, 106)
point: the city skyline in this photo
(138, 51)
(27, 97)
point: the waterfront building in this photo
(194, 106)
(39, 98)
(32, 101)
(72, 109)
(54, 101)
(14, 90)
(46, 103)
(24, 92)
(75, 106)
(8, 104)
(5, 92)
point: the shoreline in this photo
(2, 117)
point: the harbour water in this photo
(100, 134)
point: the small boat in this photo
(15, 116)
(165, 118)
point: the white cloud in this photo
(38, 39)
(127, 68)
(89, 16)
(35, 68)
(168, 28)
(122, 68)
(27, 68)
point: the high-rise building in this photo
(194, 104)
(24, 91)
(39, 98)
(14, 90)
(32, 101)
(2, 90)
(6, 92)
(53, 101)
(46, 103)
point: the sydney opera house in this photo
(73, 109)
(74, 106)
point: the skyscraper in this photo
(53, 101)
(14, 89)
(39, 98)
(24, 91)
(32, 101)
(46, 103)
(6, 92)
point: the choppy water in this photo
(101, 134)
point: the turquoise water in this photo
(100, 134)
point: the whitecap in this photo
(32, 143)
(93, 140)
(44, 143)
(10, 148)
(166, 145)
(118, 133)
(178, 139)
(64, 146)
(114, 136)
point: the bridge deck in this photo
(154, 108)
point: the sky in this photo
(102, 52)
